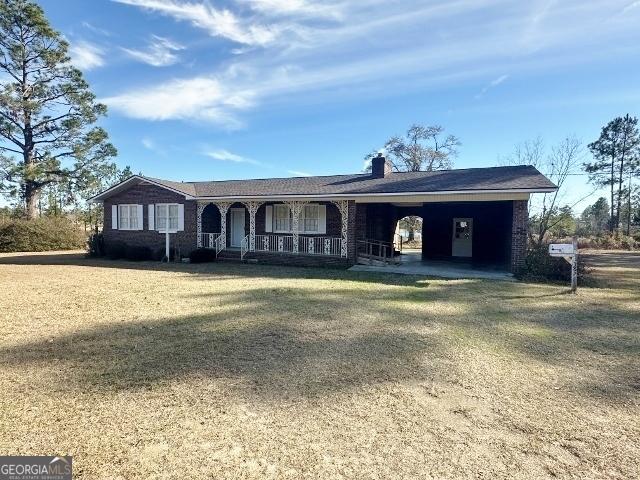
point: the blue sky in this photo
(203, 89)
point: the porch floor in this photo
(411, 263)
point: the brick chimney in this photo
(380, 167)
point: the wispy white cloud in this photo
(94, 29)
(226, 156)
(85, 55)
(492, 84)
(298, 173)
(151, 145)
(200, 98)
(159, 53)
(148, 143)
(218, 22)
(300, 8)
(631, 6)
(374, 48)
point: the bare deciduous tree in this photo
(422, 148)
(557, 164)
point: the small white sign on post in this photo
(568, 251)
(561, 249)
(167, 249)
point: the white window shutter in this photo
(322, 219)
(180, 217)
(114, 217)
(268, 219)
(152, 216)
(140, 209)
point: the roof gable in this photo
(185, 189)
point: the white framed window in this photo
(167, 213)
(129, 217)
(310, 219)
(281, 218)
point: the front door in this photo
(237, 226)
(462, 245)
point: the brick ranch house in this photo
(478, 214)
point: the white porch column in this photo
(343, 207)
(253, 209)
(296, 208)
(224, 208)
(201, 207)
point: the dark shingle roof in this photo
(184, 187)
(471, 179)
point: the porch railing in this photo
(207, 240)
(274, 243)
(220, 243)
(330, 246)
(244, 247)
(320, 245)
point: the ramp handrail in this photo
(220, 243)
(244, 247)
(375, 250)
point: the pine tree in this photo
(47, 112)
(617, 153)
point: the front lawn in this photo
(242, 371)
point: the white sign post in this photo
(166, 258)
(568, 251)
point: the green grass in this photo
(245, 371)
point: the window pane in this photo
(282, 215)
(310, 223)
(161, 217)
(173, 217)
(133, 217)
(123, 213)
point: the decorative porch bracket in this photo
(253, 209)
(296, 209)
(343, 207)
(201, 207)
(224, 208)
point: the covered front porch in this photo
(256, 229)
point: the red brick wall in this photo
(145, 195)
(519, 233)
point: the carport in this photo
(465, 236)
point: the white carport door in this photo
(462, 243)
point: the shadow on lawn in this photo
(298, 342)
(208, 271)
(291, 340)
(272, 359)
